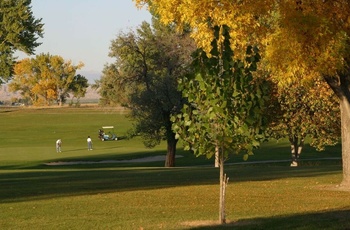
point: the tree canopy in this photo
(225, 103)
(301, 112)
(19, 32)
(312, 29)
(47, 79)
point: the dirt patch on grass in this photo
(212, 223)
(138, 160)
(335, 188)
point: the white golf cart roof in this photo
(107, 127)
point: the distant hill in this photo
(91, 94)
(5, 95)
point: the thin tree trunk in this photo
(301, 145)
(59, 95)
(223, 184)
(217, 156)
(296, 146)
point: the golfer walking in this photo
(89, 143)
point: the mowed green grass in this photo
(28, 135)
(146, 195)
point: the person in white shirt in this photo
(58, 145)
(89, 143)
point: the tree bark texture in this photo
(341, 86)
(345, 135)
(171, 151)
(217, 156)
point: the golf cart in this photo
(108, 135)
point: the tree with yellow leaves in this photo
(47, 79)
(300, 40)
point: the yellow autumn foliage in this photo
(200, 16)
(296, 38)
(43, 79)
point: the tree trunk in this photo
(341, 86)
(296, 146)
(171, 151)
(59, 98)
(217, 156)
(345, 135)
(223, 184)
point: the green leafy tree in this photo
(78, 87)
(144, 79)
(225, 105)
(19, 31)
(108, 87)
(47, 79)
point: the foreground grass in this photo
(258, 197)
(146, 195)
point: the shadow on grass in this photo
(187, 159)
(18, 185)
(326, 220)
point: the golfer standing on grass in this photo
(89, 143)
(58, 145)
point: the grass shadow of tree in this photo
(327, 220)
(35, 184)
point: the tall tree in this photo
(225, 107)
(19, 31)
(300, 40)
(46, 79)
(144, 78)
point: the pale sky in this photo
(82, 30)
